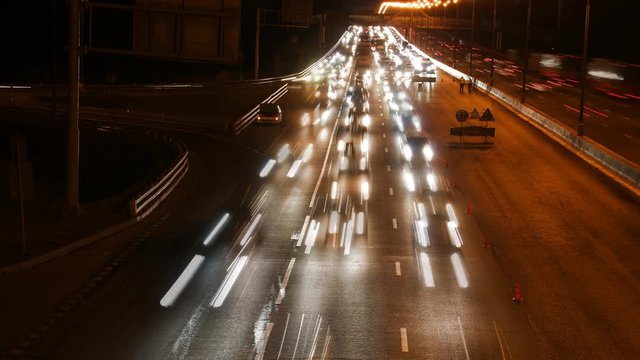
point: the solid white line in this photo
(388, 168)
(391, 191)
(326, 343)
(398, 271)
(315, 338)
(304, 228)
(464, 341)
(629, 136)
(384, 135)
(495, 326)
(394, 223)
(284, 335)
(265, 340)
(295, 349)
(383, 123)
(403, 340)
(285, 281)
(386, 150)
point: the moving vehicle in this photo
(269, 113)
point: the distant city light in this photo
(414, 5)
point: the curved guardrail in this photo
(248, 118)
(144, 203)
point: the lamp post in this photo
(473, 35)
(583, 75)
(493, 42)
(455, 43)
(526, 54)
(72, 203)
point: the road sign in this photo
(462, 115)
(472, 131)
(474, 114)
(487, 116)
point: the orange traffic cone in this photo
(468, 208)
(517, 297)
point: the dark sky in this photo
(25, 26)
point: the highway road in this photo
(377, 266)
(610, 116)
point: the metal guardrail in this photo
(246, 120)
(144, 203)
(242, 123)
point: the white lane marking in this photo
(391, 191)
(295, 349)
(383, 123)
(384, 135)
(265, 340)
(315, 337)
(182, 281)
(629, 136)
(398, 271)
(327, 338)
(304, 228)
(394, 223)
(605, 125)
(495, 326)
(386, 149)
(388, 168)
(403, 340)
(324, 165)
(464, 341)
(285, 281)
(284, 336)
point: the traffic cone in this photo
(468, 208)
(517, 297)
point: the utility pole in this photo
(257, 57)
(493, 42)
(72, 205)
(526, 55)
(583, 75)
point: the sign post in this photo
(462, 116)
(486, 117)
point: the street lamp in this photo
(493, 41)
(526, 54)
(583, 76)
(473, 35)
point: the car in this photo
(269, 113)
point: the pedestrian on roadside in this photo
(461, 84)
(470, 84)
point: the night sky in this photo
(26, 27)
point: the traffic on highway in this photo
(349, 228)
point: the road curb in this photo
(69, 248)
